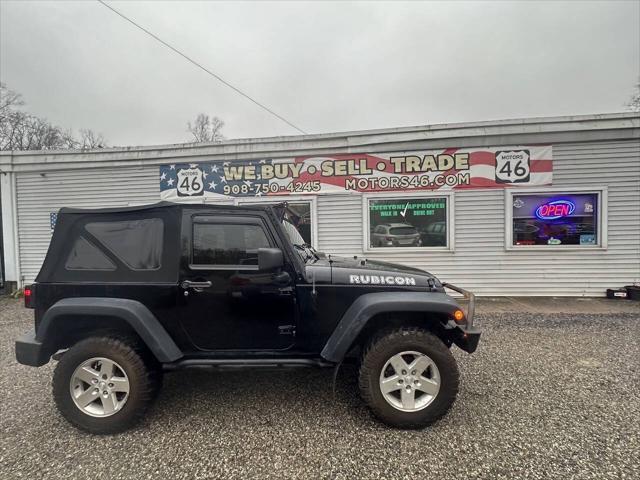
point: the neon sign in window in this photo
(555, 219)
(556, 209)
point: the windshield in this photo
(306, 251)
(292, 232)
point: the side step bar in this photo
(247, 363)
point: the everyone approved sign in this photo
(449, 169)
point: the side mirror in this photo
(270, 258)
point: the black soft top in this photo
(119, 209)
(82, 248)
(164, 205)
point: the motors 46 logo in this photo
(190, 182)
(513, 166)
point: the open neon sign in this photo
(555, 209)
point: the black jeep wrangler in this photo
(125, 294)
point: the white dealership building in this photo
(537, 206)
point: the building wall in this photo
(480, 261)
(607, 155)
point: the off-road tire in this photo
(152, 363)
(144, 382)
(381, 349)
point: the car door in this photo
(230, 303)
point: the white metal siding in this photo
(480, 261)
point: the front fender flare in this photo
(371, 304)
(145, 324)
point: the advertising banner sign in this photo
(345, 173)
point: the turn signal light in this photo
(458, 315)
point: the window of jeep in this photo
(227, 245)
(292, 232)
(300, 214)
(86, 256)
(137, 243)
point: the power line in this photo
(217, 77)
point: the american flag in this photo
(213, 177)
(53, 218)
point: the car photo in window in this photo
(408, 222)
(555, 219)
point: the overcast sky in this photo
(324, 66)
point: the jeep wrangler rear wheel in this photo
(408, 378)
(102, 385)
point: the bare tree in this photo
(90, 139)
(206, 129)
(22, 131)
(634, 101)
(9, 100)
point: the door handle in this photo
(186, 284)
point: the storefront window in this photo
(408, 222)
(555, 219)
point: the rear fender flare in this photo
(368, 305)
(134, 313)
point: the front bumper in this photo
(466, 336)
(30, 351)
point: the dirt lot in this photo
(547, 395)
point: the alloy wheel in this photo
(99, 387)
(410, 381)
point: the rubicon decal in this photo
(381, 280)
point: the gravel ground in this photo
(545, 396)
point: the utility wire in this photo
(217, 77)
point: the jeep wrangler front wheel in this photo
(408, 378)
(102, 385)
